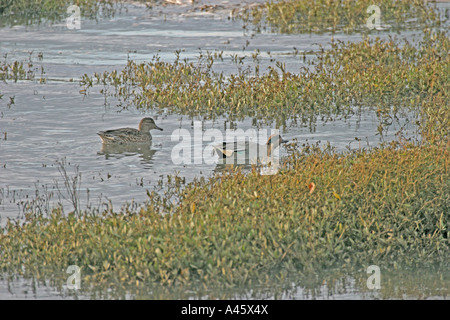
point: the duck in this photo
(256, 152)
(130, 135)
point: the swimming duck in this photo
(256, 152)
(130, 135)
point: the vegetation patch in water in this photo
(385, 75)
(29, 12)
(388, 207)
(304, 16)
(26, 12)
(20, 70)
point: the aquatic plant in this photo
(389, 76)
(303, 16)
(387, 206)
(20, 69)
(26, 12)
(29, 12)
(15, 71)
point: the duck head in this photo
(273, 142)
(148, 124)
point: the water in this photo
(52, 122)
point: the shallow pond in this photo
(52, 122)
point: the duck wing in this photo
(120, 135)
(226, 149)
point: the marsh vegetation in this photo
(323, 218)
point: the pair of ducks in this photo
(142, 135)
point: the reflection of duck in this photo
(130, 135)
(121, 150)
(249, 152)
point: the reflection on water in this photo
(427, 283)
(116, 151)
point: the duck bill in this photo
(158, 128)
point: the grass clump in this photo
(20, 70)
(29, 12)
(388, 77)
(387, 207)
(26, 12)
(303, 16)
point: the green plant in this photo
(302, 16)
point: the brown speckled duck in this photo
(130, 135)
